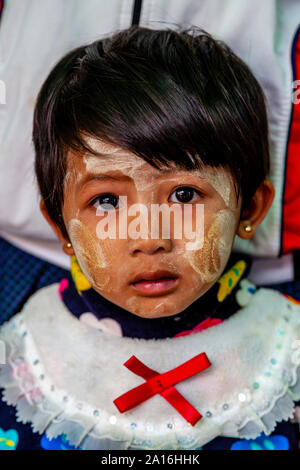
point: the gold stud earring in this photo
(248, 228)
(69, 245)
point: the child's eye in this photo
(185, 194)
(105, 201)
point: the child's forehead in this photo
(111, 158)
(113, 161)
(129, 169)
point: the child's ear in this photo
(257, 210)
(67, 246)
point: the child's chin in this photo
(162, 310)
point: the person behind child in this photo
(131, 121)
(30, 255)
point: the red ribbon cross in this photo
(163, 384)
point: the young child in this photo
(152, 342)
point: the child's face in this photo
(112, 264)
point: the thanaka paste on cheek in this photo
(90, 255)
(211, 259)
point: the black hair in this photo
(164, 95)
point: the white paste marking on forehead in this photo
(128, 165)
(221, 181)
(101, 146)
(117, 159)
(137, 169)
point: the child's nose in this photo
(149, 246)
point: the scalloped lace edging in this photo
(280, 408)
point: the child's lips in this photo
(155, 283)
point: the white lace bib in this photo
(63, 376)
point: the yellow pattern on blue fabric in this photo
(230, 279)
(80, 281)
(8, 439)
